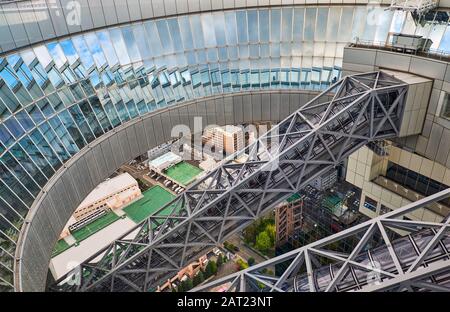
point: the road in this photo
(245, 252)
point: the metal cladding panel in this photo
(275, 106)
(70, 15)
(216, 4)
(6, 39)
(417, 99)
(228, 109)
(57, 205)
(393, 60)
(80, 175)
(433, 143)
(85, 15)
(284, 106)
(205, 5)
(444, 147)
(211, 112)
(58, 19)
(429, 68)
(175, 117)
(158, 129)
(228, 4)
(71, 190)
(29, 21)
(447, 74)
(182, 6)
(194, 5)
(256, 107)
(132, 140)
(122, 11)
(141, 139)
(183, 116)
(158, 7)
(170, 7)
(359, 56)
(124, 146)
(294, 101)
(149, 131)
(247, 108)
(35, 252)
(109, 10)
(265, 106)
(192, 110)
(95, 6)
(220, 111)
(112, 151)
(102, 164)
(51, 20)
(237, 108)
(146, 8)
(18, 32)
(166, 123)
(201, 112)
(58, 193)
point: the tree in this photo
(211, 269)
(250, 233)
(214, 267)
(263, 241)
(180, 287)
(251, 261)
(271, 231)
(188, 284)
(199, 278)
(219, 260)
(242, 265)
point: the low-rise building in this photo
(114, 193)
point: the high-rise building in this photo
(229, 138)
(288, 219)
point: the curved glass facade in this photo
(57, 97)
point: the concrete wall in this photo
(97, 161)
(433, 142)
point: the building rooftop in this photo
(110, 186)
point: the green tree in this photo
(188, 284)
(271, 231)
(214, 267)
(263, 241)
(251, 261)
(250, 233)
(219, 260)
(180, 287)
(211, 269)
(199, 278)
(242, 265)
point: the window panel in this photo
(286, 30)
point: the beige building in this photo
(114, 193)
(229, 139)
(417, 163)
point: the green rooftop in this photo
(154, 198)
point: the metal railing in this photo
(440, 55)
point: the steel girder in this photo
(410, 255)
(352, 112)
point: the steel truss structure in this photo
(390, 254)
(352, 112)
